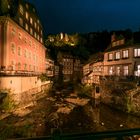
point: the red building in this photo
(21, 40)
(22, 51)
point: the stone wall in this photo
(24, 90)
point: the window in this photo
(25, 39)
(117, 55)
(110, 56)
(20, 21)
(19, 35)
(125, 70)
(35, 25)
(35, 34)
(25, 66)
(136, 52)
(41, 32)
(13, 65)
(13, 48)
(125, 54)
(19, 66)
(26, 27)
(30, 43)
(27, 15)
(13, 31)
(118, 70)
(31, 31)
(19, 51)
(111, 70)
(38, 28)
(31, 20)
(21, 9)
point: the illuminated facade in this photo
(21, 40)
(120, 61)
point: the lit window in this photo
(19, 51)
(20, 21)
(125, 70)
(26, 27)
(38, 37)
(31, 20)
(117, 55)
(41, 40)
(125, 54)
(31, 31)
(21, 9)
(136, 52)
(118, 70)
(41, 32)
(111, 70)
(13, 48)
(110, 56)
(26, 15)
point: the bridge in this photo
(117, 135)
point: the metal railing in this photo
(117, 135)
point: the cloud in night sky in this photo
(88, 15)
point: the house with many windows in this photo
(120, 60)
(22, 50)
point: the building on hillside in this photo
(22, 51)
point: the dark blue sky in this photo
(88, 15)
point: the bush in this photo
(7, 103)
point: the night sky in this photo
(84, 16)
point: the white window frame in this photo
(117, 55)
(125, 53)
(110, 56)
(137, 52)
(125, 70)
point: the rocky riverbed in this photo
(70, 113)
